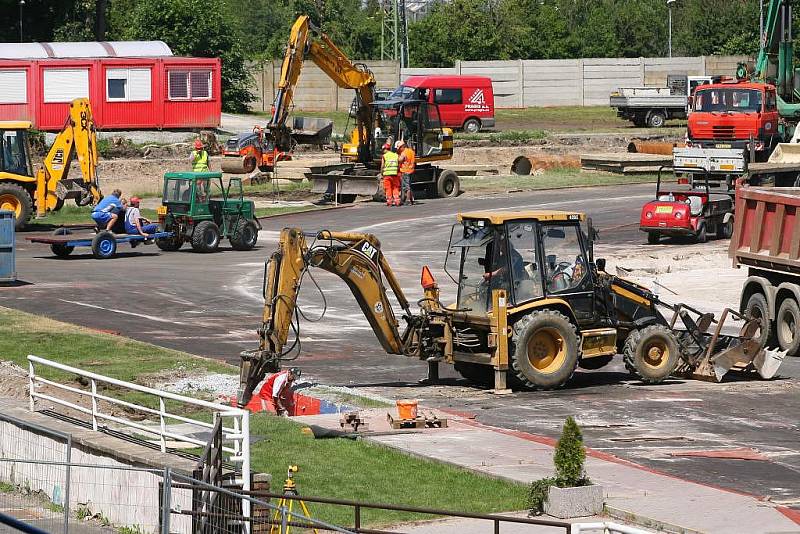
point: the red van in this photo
(465, 102)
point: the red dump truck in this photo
(766, 240)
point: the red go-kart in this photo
(688, 210)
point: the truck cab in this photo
(729, 115)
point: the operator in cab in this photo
(199, 157)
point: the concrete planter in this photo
(566, 503)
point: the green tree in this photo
(197, 28)
(570, 456)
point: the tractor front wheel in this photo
(15, 198)
(205, 237)
(245, 236)
(546, 350)
(652, 354)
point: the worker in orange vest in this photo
(277, 391)
(407, 161)
(391, 181)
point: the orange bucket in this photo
(407, 409)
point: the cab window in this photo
(771, 103)
(431, 133)
(565, 266)
(14, 159)
(526, 280)
(178, 190)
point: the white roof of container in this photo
(84, 49)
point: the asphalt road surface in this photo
(211, 305)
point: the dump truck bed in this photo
(767, 229)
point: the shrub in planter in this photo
(569, 459)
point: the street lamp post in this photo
(669, 7)
(21, 4)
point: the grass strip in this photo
(337, 468)
(559, 178)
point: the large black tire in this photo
(245, 237)
(787, 322)
(104, 245)
(656, 119)
(472, 125)
(598, 362)
(653, 238)
(757, 308)
(169, 244)
(448, 185)
(15, 198)
(725, 230)
(627, 351)
(482, 375)
(546, 350)
(346, 198)
(62, 251)
(653, 354)
(205, 237)
(702, 235)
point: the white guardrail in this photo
(606, 527)
(236, 433)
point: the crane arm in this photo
(306, 40)
(77, 137)
(355, 258)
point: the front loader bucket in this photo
(785, 153)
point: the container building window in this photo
(128, 85)
(13, 86)
(65, 85)
(189, 84)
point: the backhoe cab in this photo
(531, 306)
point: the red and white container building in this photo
(131, 85)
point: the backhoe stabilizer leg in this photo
(768, 361)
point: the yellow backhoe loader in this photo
(532, 306)
(23, 190)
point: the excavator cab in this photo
(14, 148)
(417, 122)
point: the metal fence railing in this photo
(97, 402)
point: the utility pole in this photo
(761, 22)
(394, 32)
(21, 4)
(669, 7)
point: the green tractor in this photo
(197, 208)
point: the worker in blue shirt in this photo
(107, 211)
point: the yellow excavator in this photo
(417, 122)
(532, 305)
(22, 190)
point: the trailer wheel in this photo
(786, 324)
(653, 238)
(656, 119)
(15, 198)
(62, 251)
(546, 350)
(205, 237)
(757, 308)
(448, 184)
(245, 236)
(597, 362)
(654, 354)
(725, 230)
(104, 245)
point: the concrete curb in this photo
(646, 522)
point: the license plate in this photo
(162, 210)
(726, 167)
(723, 145)
(663, 209)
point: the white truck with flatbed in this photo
(653, 106)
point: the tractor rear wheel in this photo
(15, 198)
(653, 353)
(245, 236)
(205, 237)
(546, 350)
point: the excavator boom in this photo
(307, 41)
(355, 258)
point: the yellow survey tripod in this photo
(289, 489)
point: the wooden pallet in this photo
(422, 421)
(354, 421)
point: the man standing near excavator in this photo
(278, 390)
(407, 161)
(390, 167)
(199, 157)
